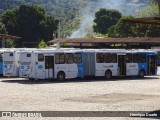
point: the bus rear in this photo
(25, 64)
(10, 63)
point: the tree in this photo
(10, 43)
(9, 4)
(48, 26)
(148, 11)
(104, 19)
(2, 29)
(156, 2)
(25, 22)
(123, 29)
(42, 44)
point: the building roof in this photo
(147, 20)
(106, 40)
(5, 36)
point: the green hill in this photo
(73, 13)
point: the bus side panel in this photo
(80, 72)
(132, 69)
(101, 68)
(40, 70)
(73, 70)
(142, 66)
(115, 70)
(1, 68)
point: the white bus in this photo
(62, 64)
(75, 63)
(27, 62)
(31, 65)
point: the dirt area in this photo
(120, 94)
(112, 98)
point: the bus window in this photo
(142, 58)
(11, 54)
(114, 58)
(77, 58)
(100, 58)
(0, 58)
(107, 58)
(59, 58)
(129, 58)
(28, 55)
(40, 57)
(69, 58)
(135, 58)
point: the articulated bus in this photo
(66, 64)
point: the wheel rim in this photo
(61, 77)
(108, 75)
(141, 73)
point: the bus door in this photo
(122, 64)
(49, 66)
(151, 64)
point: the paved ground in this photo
(120, 94)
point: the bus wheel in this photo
(61, 76)
(108, 74)
(141, 73)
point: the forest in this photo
(43, 20)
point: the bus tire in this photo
(142, 73)
(108, 74)
(61, 76)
